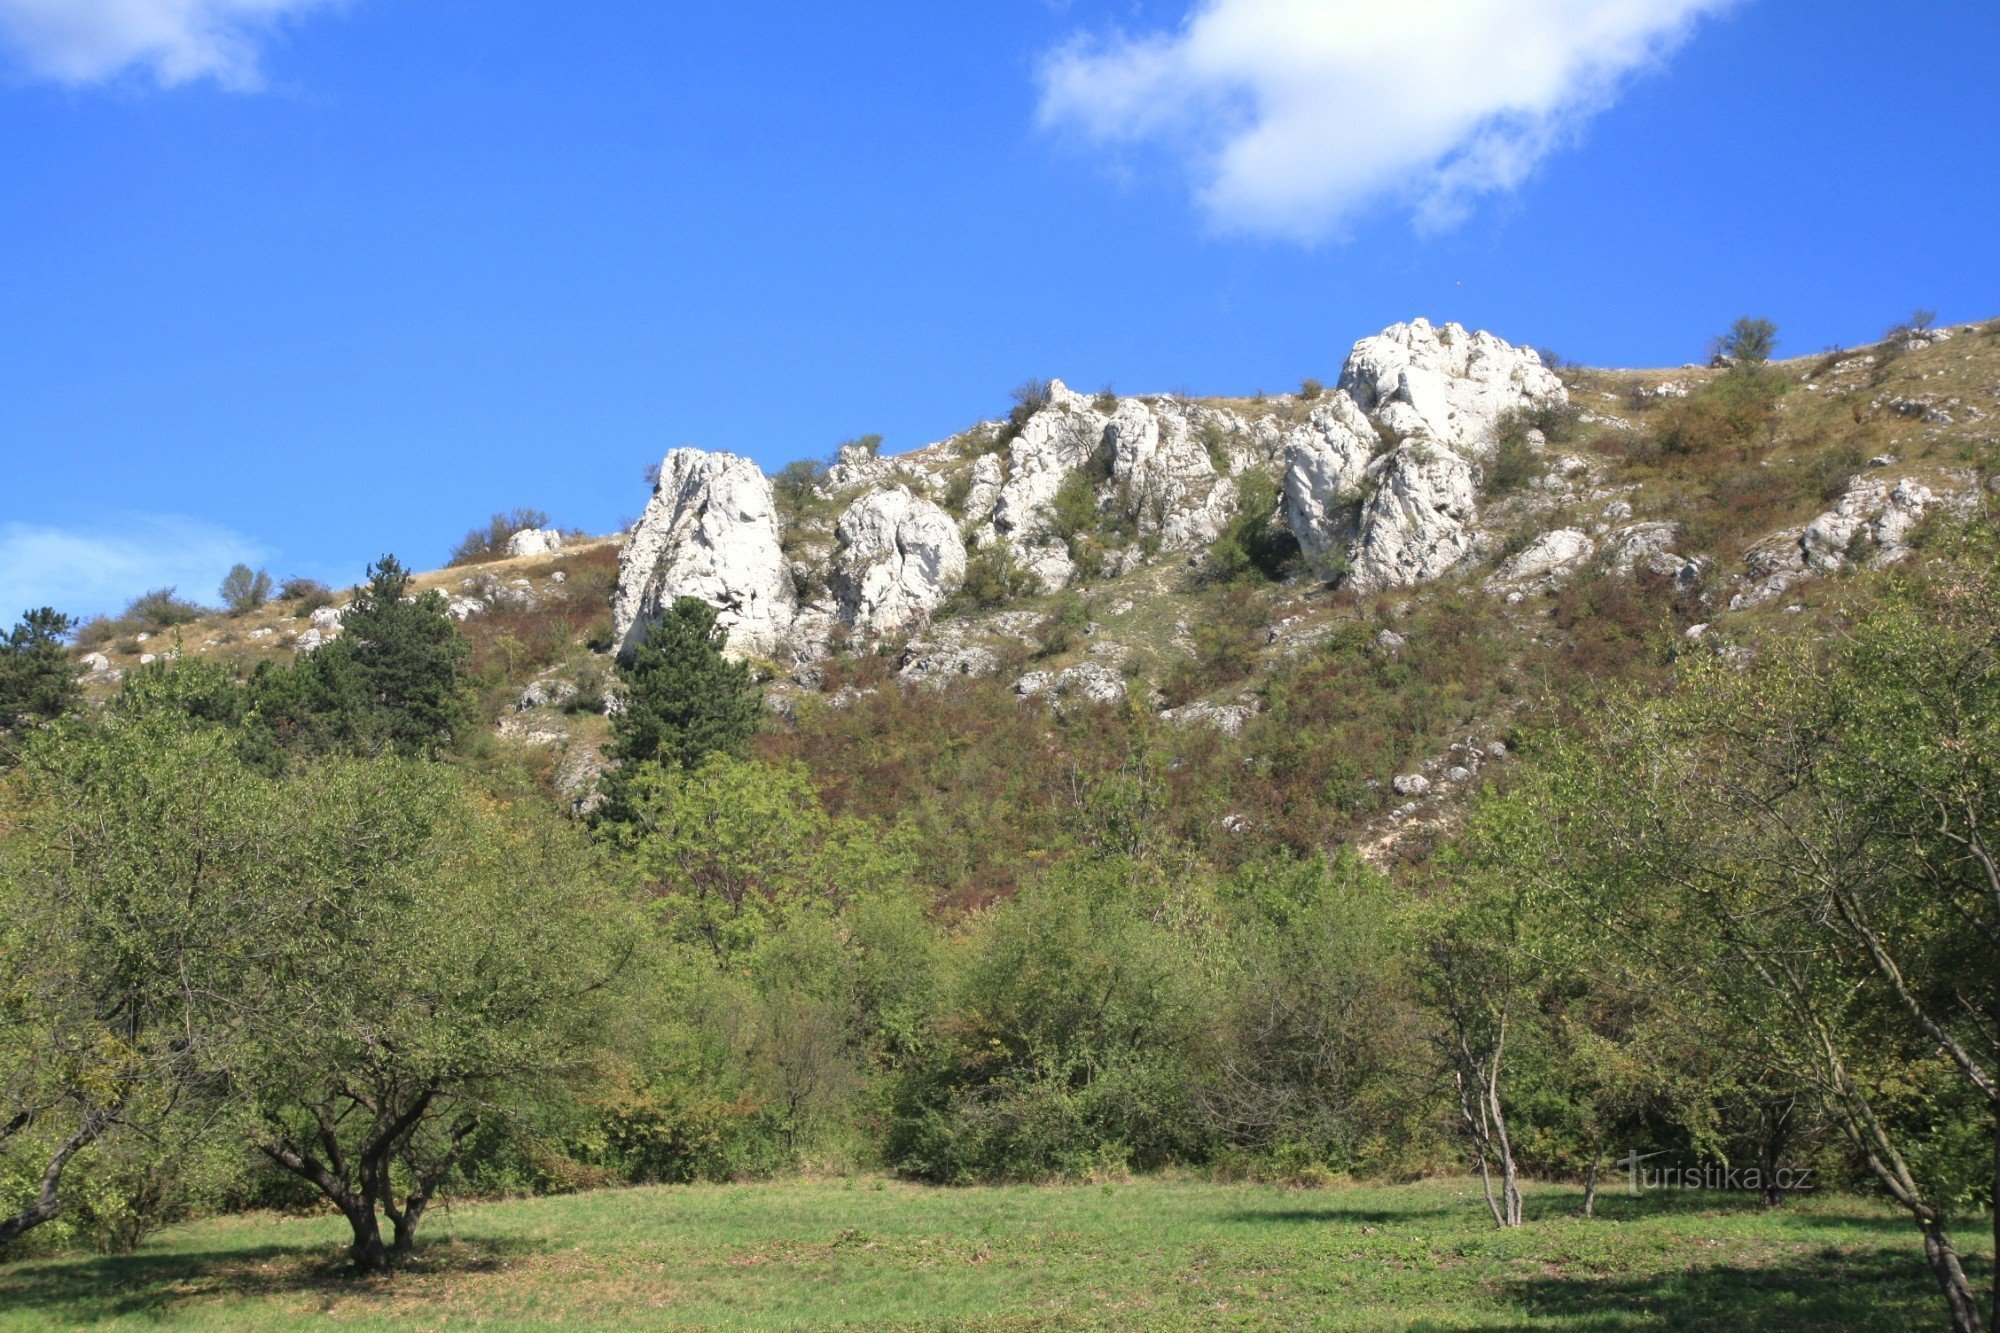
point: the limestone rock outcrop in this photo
(1325, 460)
(534, 541)
(1549, 555)
(710, 531)
(897, 559)
(1418, 525)
(1446, 383)
(1870, 525)
(1061, 437)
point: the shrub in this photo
(1735, 413)
(992, 580)
(1106, 401)
(1030, 397)
(1073, 512)
(490, 542)
(1251, 545)
(244, 589)
(160, 609)
(1747, 345)
(1061, 629)
(309, 594)
(1073, 1048)
(1310, 389)
(37, 679)
(798, 491)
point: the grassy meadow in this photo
(1159, 1252)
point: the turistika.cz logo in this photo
(1718, 1176)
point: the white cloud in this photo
(1293, 115)
(90, 570)
(81, 42)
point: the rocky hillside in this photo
(1332, 607)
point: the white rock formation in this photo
(897, 560)
(936, 664)
(1871, 524)
(1418, 525)
(1548, 555)
(987, 474)
(1088, 682)
(1325, 460)
(1054, 442)
(95, 664)
(1648, 547)
(1226, 718)
(534, 541)
(1445, 382)
(1872, 508)
(711, 531)
(327, 619)
(1160, 463)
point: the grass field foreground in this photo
(1151, 1253)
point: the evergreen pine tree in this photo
(683, 699)
(392, 681)
(38, 682)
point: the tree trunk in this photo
(1590, 1184)
(367, 1253)
(1776, 1113)
(1958, 1293)
(48, 1203)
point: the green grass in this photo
(1151, 1253)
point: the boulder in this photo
(936, 664)
(534, 541)
(1325, 460)
(1225, 718)
(1445, 382)
(1548, 555)
(1411, 784)
(710, 531)
(1049, 562)
(327, 619)
(1418, 525)
(897, 559)
(95, 664)
(1088, 682)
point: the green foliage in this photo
(309, 595)
(796, 491)
(393, 681)
(481, 545)
(683, 701)
(1073, 512)
(38, 682)
(1062, 628)
(1073, 1043)
(1733, 415)
(1030, 397)
(1310, 390)
(1747, 345)
(1252, 545)
(244, 589)
(992, 580)
(160, 609)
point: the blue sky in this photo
(305, 281)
